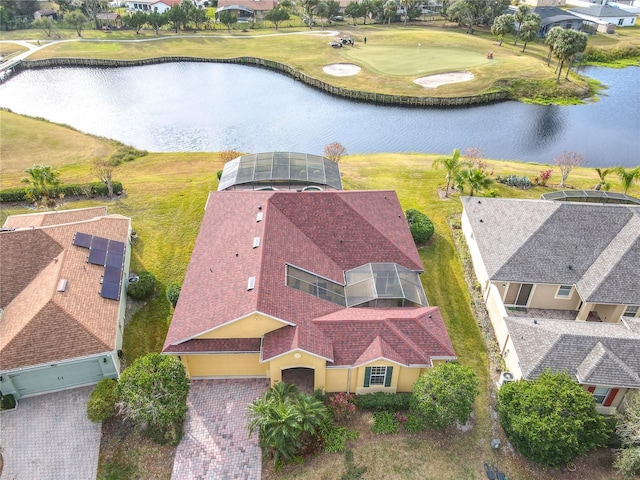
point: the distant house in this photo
(605, 16)
(548, 270)
(62, 299)
(545, 3)
(45, 13)
(317, 288)
(243, 7)
(109, 20)
(148, 6)
(556, 17)
(243, 14)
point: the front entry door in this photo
(518, 294)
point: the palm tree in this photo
(520, 16)
(452, 165)
(628, 177)
(602, 174)
(278, 426)
(41, 179)
(475, 178)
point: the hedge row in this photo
(384, 402)
(95, 189)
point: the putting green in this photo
(413, 61)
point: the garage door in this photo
(57, 377)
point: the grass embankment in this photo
(390, 61)
(165, 197)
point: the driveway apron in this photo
(216, 444)
(50, 437)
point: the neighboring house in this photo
(149, 6)
(258, 7)
(62, 299)
(545, 3)
(242, 14)
(556, 17)
(280, 171)
(45, 13)
(321, 289)
(605, 15)
(109, 20)
(564, 261)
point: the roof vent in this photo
(259, 217)
(252, 283)
(62, 285)
(256, 242)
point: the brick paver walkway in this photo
(216, 444)
(50, 437)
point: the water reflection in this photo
(210, 107)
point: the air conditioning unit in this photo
(504, 378)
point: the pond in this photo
(211, 107)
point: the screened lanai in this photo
(591, 196)
(280, 171)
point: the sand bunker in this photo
(434, 81)
(341, 69)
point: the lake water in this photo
(211, 107)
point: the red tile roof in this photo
(39, 324)
(323, 232)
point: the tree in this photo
(567, 44)
(229, 19)
(308, 8)
(333, 8)
(529, 29)
(157, 20)
(334, 151)
(628, 430)
(285, 421)
(445, 394)
(322, 11)
(496, 7)
(153, 393)
(411, 10)
(550, 420)
(136, 20)
(199, 16)
(469, 12)
(602, 175)
(102, 402)
(551, 39)
(389, 11)
(46, 24)
(628, 177)
(103, 168)
(353, 10)
(277, 15)
(503, 25)
(567, 161)
(475, 178)
(173, 293)
(41, 180)
(420, 226)
(77, 20)
(93, 7)
(176, 16)
(452, 165)
(520, 16)
(369, 7)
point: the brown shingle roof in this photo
(58, 217)
(40, 324)
(323, 232)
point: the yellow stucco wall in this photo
(239, 364)
(360, 389)
(337, 380)
(406, 378)
(543, 296)
(251, 326)
(609, 313)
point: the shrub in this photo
(420, 225)
(103, 399)
(342, 406)
(550, 420)
(8, 402)
(173, 292)
(335, 438)
(628, 461)
(414, 423)
(13, 195)
(126, 154)
(383, 401)
(385, 423)
(543, 177)
(228, 155)
(66, 190)
(445, 394)
(144, 287)
(514, 181)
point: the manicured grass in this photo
(165, 197)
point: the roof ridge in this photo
(435, 337)
(389, 323)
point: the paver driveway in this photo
(216, 444)
(50, 437)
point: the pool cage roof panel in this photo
(269, 167)
(591, 196)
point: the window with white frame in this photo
(564, 291)
(600, 394)
(377, 375)
(631, 311)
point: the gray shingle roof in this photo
(601, 11)
(593, 246)
(594, 353)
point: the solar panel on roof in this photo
(82, 240)
(100, 243)
(114, 260)
(97, 257)
(110, 290)
(112, 274)
(116, 247)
